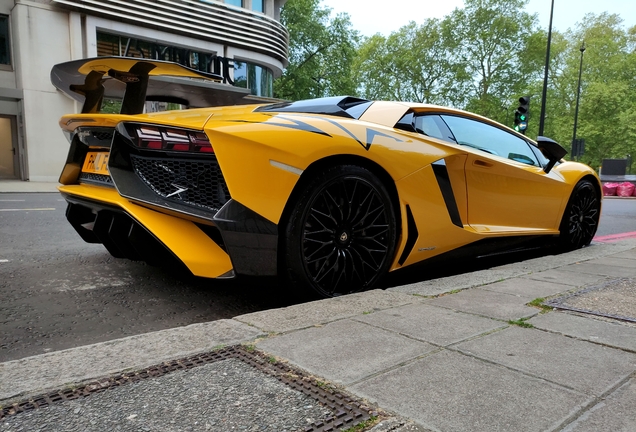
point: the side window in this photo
(490, 139)
(433, 126)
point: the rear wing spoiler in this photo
(139, 80)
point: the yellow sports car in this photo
(330, 194)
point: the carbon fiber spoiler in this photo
(136, 81)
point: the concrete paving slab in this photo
(345, 351)
(586, 367)
(592, 267)
(448, 391)
(596, 250)
(37, 374)
(20, 186)
(563, 277)
(323, 311)
(617, 335)
(593, 251)
(431, 324)
(616, 413)
(527, 288)
(487, 303)
(631, 254)
(443, 285)
(615, 261)
(398, 425)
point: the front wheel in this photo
(341, 234)
(581, 216)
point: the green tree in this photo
(321, 51)
(608, 83)
(497, 48)
(411, 64)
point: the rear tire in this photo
(340, 236)
(581, 216)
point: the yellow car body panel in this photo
(125, 64)
(194, 119)
(502, 190)
(250, 154)
(436, 232)
(199, 253)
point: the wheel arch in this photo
(595, 182)
(592, 179)
(566, 241)
(335, 160)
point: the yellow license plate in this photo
(96, 163)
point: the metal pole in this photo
(578, 96)
(545, 75)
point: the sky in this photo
(368, 20)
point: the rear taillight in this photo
(171, 139)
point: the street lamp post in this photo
(578, 95)
(545, 74)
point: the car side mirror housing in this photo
(551, 150)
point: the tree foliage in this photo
(608, 86)
(494, 42)
(321, 52)
(412, 64)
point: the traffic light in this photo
(521, 114)
(578, 148)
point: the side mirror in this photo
(552, 150)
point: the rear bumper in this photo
(128, 230)
(235, 240)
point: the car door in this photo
(507, 188)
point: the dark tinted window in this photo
(5, 52)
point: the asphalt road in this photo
(57, 292)
(617, 216)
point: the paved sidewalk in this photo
(464, 353)
(20, 186)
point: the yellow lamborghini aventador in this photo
(330, 194)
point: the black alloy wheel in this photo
(580, 220)
(341, 234)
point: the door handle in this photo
(481, 163)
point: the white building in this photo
(242, 40)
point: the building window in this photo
(238, 3)
(258, 79)
(257, 5)
(5, 46)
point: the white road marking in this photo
(2, 200)
(27, 209)
(3, 260)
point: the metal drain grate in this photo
(346, 411)
(572, 302)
